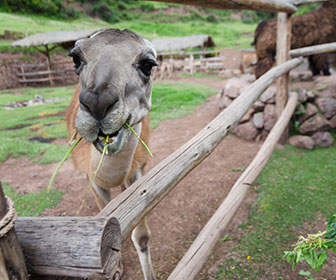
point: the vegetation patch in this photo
(293, 187)
(33, 204)
(33, 122)
(175, 100)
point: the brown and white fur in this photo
(115, 87)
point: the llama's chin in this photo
(115, 143)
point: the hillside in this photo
(150, 19)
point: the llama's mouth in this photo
(114, 143)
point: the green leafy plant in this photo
(313, 249)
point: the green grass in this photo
(15, 142)
(228, 34)
(293, 187)
(175, 100)
(33, 204)
(200, 75)
(36, 24)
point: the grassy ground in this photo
(21, 126)
(294, 186)
(229, 33)
(33, 204)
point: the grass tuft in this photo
(61, 163)
(33, 204)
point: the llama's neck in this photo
(115, 168)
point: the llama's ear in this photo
(150, 45)
(96, 33)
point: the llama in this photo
(115, 88)
(313, 28)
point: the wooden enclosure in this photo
(91, 246)
(42, 73)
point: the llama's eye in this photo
(147, 65)
(76, 60)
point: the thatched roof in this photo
(182, 43)
(68, 38)
(258, 5)
(57, 37)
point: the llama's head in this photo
(263, 65)
(114, 69)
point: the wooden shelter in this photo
(202, 41)
(65, 39)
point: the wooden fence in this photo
(205, 62)
(37, 73)
(55, 248)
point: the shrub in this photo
(211, 18)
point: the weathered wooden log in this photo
(258, 5)
(137, 201)
(191, 264)
(303, 2)
(12, 263)
(71, 246)
(282, 55)
(317, 49)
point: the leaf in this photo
(322, 259)
(315, 260)
(289, 256)
(142, 142)
(310, 259)
(304, 273)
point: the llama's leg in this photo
(102, 196)
(312, 65)
(140, 238)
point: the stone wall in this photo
(312, 122)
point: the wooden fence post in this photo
(47, 52)
(283, 44)
(12, 264)
(71, 246)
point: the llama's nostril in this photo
(85, 107)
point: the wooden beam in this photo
(258, 5)
(191, 264)
(12, 263)
(317, 49)
(282, 55)
(303, 2)
(136, 202)
(70, 246)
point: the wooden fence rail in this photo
(317, 49)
